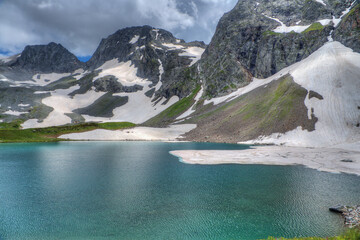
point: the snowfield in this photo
(299, 29)
(194, 53)
(138, 109)
(45, 79)
(125, 72)
(334, 72)
(62, 103)
(171, 133)
(334, 160)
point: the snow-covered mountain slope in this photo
(146, 75)
(132, 82)
(333, 71)
(328, 84)
(259, 38)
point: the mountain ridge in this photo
(147, 76)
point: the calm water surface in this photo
(137, 190)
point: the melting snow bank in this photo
(333, 71)
(333, 160)
(171, 133)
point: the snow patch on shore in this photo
(171, 133)
(334, 160)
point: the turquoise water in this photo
(137, 190)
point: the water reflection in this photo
(137, 190)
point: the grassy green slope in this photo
(11, 132)
(277, 107)
(351, 234)
(171, 113)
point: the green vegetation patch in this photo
(351, 12)
(12, 133)
(16, 124)
(104, 106)
(271, 33)
(85, 83)
(174, 110)
(314, 27)
(351, 234)
(39, 112)
(274, 106)
(277, 107)
(63, 83)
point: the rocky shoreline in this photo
(351, 214)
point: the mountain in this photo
(284, 72)
(308, 97)
(259, 38)
(133, 75)
(47, 59)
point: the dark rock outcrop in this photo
(111, 84)
(104, 106)
(146, 48)
(348, 31)
(47, 58)
(351, 214)
(119, 45)
(244, 45)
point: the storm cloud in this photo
(79, 25)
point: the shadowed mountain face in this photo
(348, 31)
(156, 54)
(246, 43)
(142, 65)
(47, 58)
(122, 43)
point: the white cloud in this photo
(166, 12)
(79, 25)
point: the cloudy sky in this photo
(79, 25)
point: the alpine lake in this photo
(137, 190)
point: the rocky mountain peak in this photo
(48, 58)
(259, 38)
(128, 40)
(155, 53)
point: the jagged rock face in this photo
(123, 42)
(276, 52)
(140, 66)
(244, 45)
(47, 58)
(111, 85)
(150, 50)
(348, 31)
